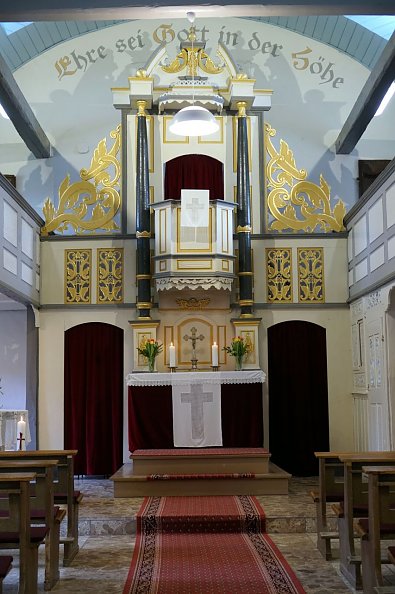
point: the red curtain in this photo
(298, 396)
(194, 172)
(151, 416)
(93, 397)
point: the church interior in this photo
(197, 303)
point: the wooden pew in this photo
(42, 509)
(330, 489)
(64, 493)
(5, 566)
(380, 524)
(355, 505)
(16, 530)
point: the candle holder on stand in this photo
(172, 369)
(194, 364)
(20, 439)
(214, 367)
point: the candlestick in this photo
(21, 427)
(214, 355)
(172, 355)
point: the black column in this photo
(244, 214)
(143, 220)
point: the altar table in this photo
(150, 411)
(8, 426)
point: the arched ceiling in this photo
(338, 31)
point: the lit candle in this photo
(172, 355)
(21, 427)
(214, 355)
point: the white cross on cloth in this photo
(197, 415)
(194, 208)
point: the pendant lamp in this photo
(193, 120)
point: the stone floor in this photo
(107, 535)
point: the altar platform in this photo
(207, 471)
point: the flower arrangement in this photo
(150, 349)
(238, 349)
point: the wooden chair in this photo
(379, 525)
(5, 567)
(42, 509)
(354, 505)
(64, 492)
(16, 531)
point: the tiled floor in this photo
(107, 528)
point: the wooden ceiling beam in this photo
(369, 99)
(64, 10)
(21, 114)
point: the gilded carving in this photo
(294, 202)
(279, 275)
(192, 58)
(89, 205)
(110, 275)
(311, 275)
(78, 276)
(193, 303)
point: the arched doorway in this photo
(298, 396)
(93, 397)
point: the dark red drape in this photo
(194, 172)
(150, 416)
(298, 396)
(93, 397)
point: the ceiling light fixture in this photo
(193, 120)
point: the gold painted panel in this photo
(311, 275)
(234, 130)
(218, 137)
(162, 265)
(77, 274)
(168, 137)
(279, 275)
(163, 230)
(194, 265)
(109, 275)
(225, 231)
(293, 202)
(225, 265)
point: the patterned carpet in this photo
(202, 545)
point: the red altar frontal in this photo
(151, 408)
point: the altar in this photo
(152, 408)
(8, 428)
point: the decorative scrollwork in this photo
(84, 206)
(295, 203)
(78, 276)
(192, 303)
(279, 274)
(109, 275)
(192, 58)
(311, 274)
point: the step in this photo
(201, 461)
(128, 484)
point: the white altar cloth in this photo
(254, 376)
(196, 401)
(8, 426)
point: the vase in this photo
(151, 365)
(239, 362)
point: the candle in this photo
(214, 355)
(21, 427)
(172, 355)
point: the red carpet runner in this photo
(206, 545)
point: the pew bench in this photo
(64, 492)
(378, 526)
(330, 489)
(5, 567)
(16, 531)
(354, 506)
(42, 509)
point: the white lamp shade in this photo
(193, 120)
